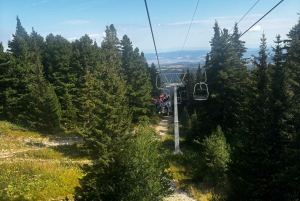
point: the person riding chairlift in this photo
(166, 98)
(157, 104)
(161, 102)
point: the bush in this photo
(137, 172)
(217, 156)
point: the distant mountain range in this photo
(188, 58)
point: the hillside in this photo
(189, 58)
(38, 167)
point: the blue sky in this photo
(170, 20)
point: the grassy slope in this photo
(32, 168)
(186, 168)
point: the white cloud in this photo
(76, 22)
(95, 36)
(72, 38)
(256, 28)
(98, 37)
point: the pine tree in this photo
(137, 79)
(225, 78)
(85, 101)
(69, 113)
(184, 119)
(42, 111)
(217, 156)
(20, 68)
(189, 80)
(256, 156)
(36, 42)
(108, 134)
(85, 62)
(142, 173)
(155, 80)
(4, 82)
(193, 132)
(288, 117)
(238, 45)
(60, 73)
(199, 75)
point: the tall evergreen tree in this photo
(42, 109)
(4, 80)
(137, 79)
(106, 137)
(238, 45)
(85, 62)
(155, 80)
(256, 157)
(287, 181)
(225, 77)
(217, 156)
(20, 69)
(59, 71)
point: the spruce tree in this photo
(225, 78)
(289, 118)
(4, 81)
(85, 62)
(61, 74)
(108, 134)
(42, 111)
(142, 174)
(137, 80)
(256, 156)
(20, 68)
(155, 80)
(217, 156)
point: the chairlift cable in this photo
(152, 35)
(262, 17)
(244, 15)
(188, 30)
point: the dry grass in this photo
(38, 180)
(35, 170)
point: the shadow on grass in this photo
(36, 144)
(186, 167)
(8, 198)
(74, 151)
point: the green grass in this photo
(37, 180)
(13, 130)
(41, 154)
(187, 169)
(35, 171)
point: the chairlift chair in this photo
(184, 95)
(179, 99)
(200, 91)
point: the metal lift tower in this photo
(174, 80)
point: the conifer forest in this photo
(242, 143)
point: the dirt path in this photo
(37, 144)
(162, 127)
(177, 195)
